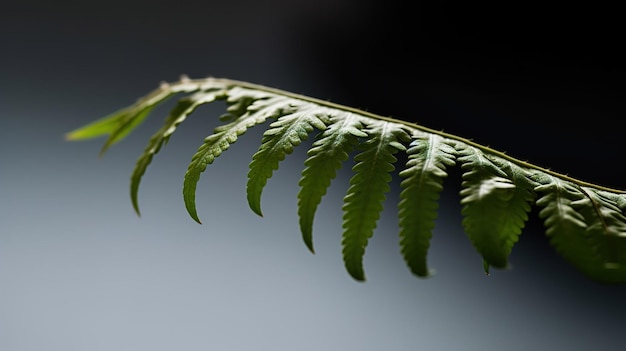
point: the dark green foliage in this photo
(363, 202)
(326, 156)
(496, 198)
(278, 141)
(586, 226)
(429, 155)
(586, 223)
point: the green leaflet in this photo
(496, 198)
(119, 124)
(429, 155)
(101, 127)
(363, 201)
(326, 156)
(586, 223)
(278, 141)
(586, 226)
(180, 112)
(247, 108)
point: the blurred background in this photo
(80, 271)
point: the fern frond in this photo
(248, 108)
(278, 141)
(586, 226)
(118, 125)
(180, 112)
(101, 127)
(429, 155)
(364, 199)
(325, 157)
(496, 198)
(586, 223)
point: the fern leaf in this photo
(496, 198)
(363, 201)
(119, 124)
(586, 223)
(101, 127)
(586, 227)
(325, 157)
(248, 108)
(183, 108)
(278, 141)
(429, 155)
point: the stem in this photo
(186, 84)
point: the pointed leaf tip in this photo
(136, 208)
(357, 275)
(190, 206)
(308, 241)
(255, 207)
(486, 268)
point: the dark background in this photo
(539, 80)
(79, 271)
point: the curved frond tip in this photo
(585, 223)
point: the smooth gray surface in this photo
(80, 271)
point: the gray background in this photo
(80, 271)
